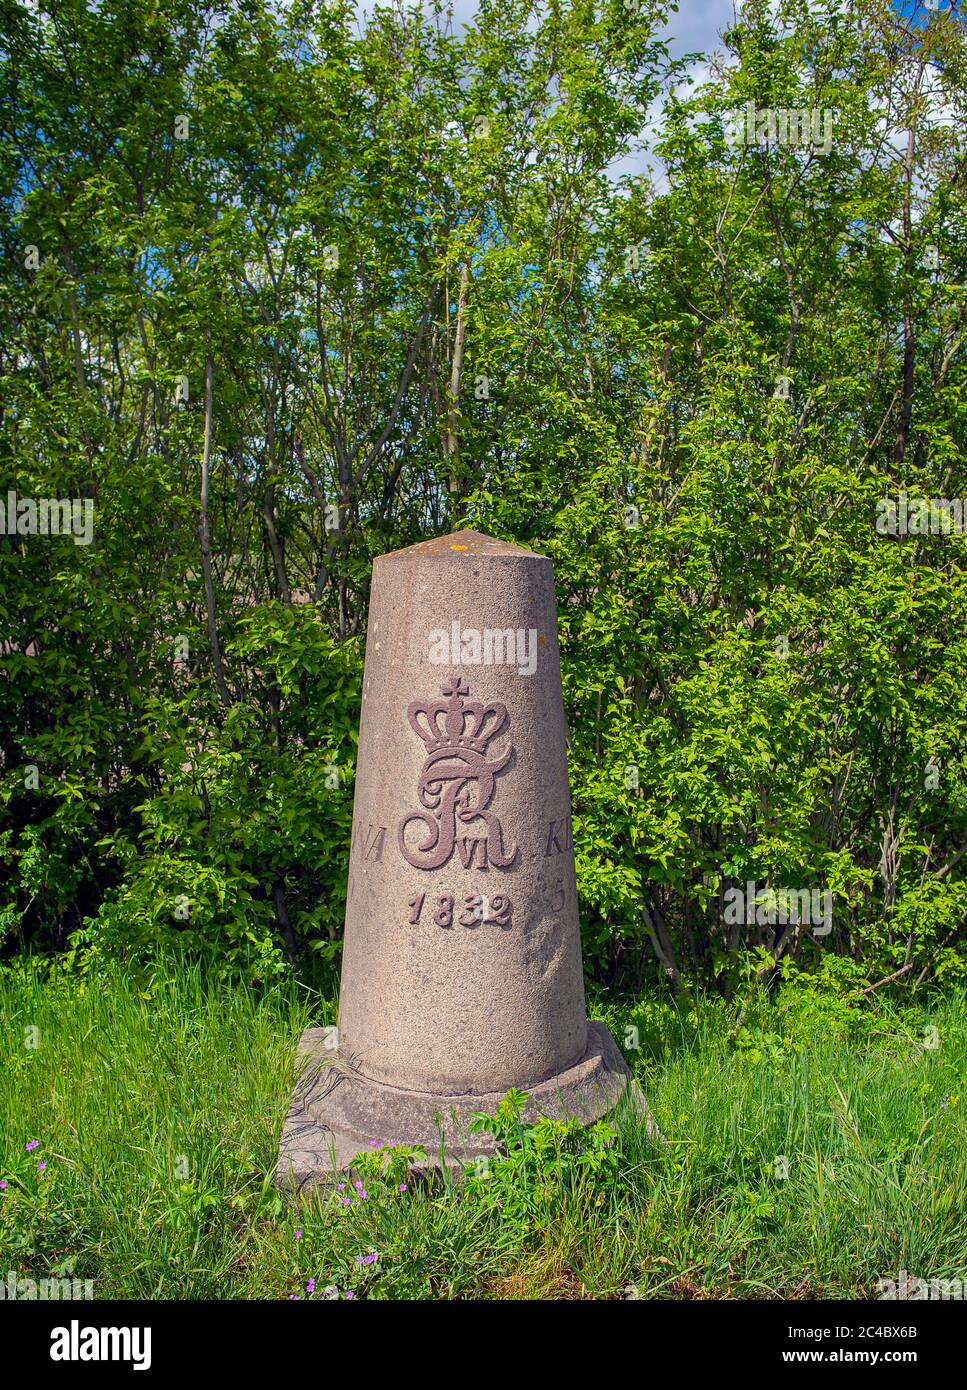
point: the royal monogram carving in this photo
(457, 783)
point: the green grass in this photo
(809, 1152)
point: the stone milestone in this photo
(461, 973)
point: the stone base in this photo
(336, 1112)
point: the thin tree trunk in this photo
(452, 444)
(205, 538)
(285, 924)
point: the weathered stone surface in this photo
(462, 960)
(335, 1113)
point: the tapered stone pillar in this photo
(462, 959)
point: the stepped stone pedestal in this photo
(461, 971)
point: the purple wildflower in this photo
(32, 1144)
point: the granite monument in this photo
(461, 973)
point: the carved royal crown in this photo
(466, 723)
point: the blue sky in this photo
(695, 27)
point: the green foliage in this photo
(237, 816)
(384, 1167)
(538, 1166)
(408, 283)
